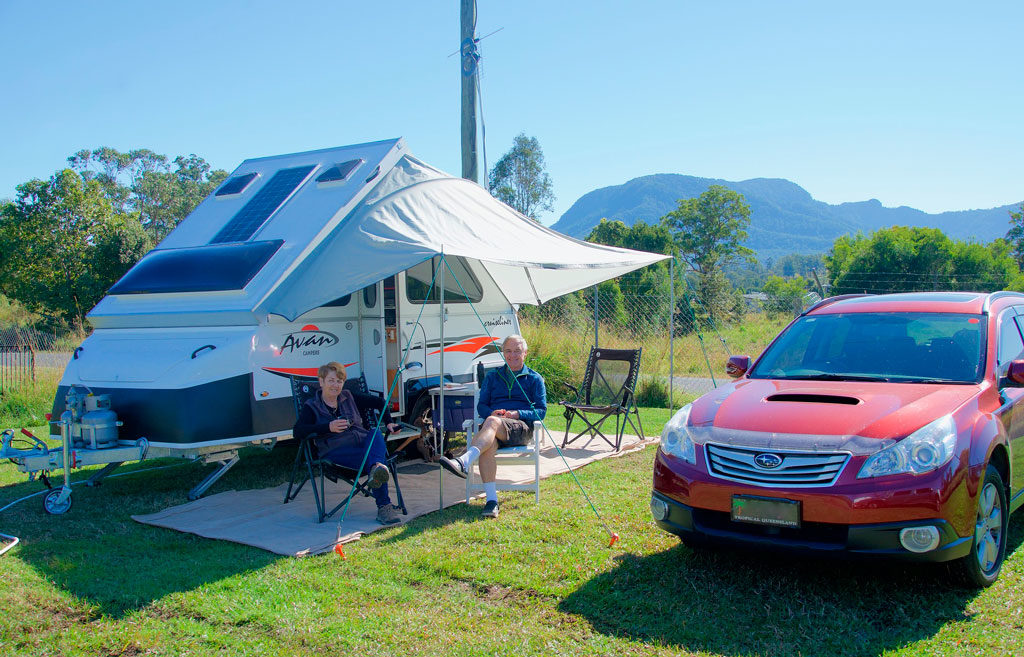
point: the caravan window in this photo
(370, 295)
(211, 268)
(418, 278)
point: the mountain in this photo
(784, 218)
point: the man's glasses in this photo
(516, 352)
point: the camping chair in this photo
(529, 453)
(316, 469)
(608, 389)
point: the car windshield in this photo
(899, 347)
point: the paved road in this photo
(695, 385)
(57, 360)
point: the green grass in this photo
(539, 581)
(27, 404)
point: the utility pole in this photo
(469, 59)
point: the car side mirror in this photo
(737, 366)
(1015, 373)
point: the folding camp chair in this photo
(316, 469)
(608, 389)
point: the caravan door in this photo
(371, 337)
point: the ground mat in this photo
(260, 519)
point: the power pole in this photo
(469, 59)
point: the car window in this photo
(928, 347)
(1010, 342)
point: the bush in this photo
(556, 372)
(652, 393)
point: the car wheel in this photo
(981, 566)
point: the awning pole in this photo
(440, 420)
(595, 317)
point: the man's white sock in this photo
(491, 491)
(472, 454)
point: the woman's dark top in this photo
(315, 418)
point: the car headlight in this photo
(675, 438)
(927, 449)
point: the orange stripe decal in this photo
(469, 346)
(298, 371)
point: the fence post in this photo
(671, 330)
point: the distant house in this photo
(754, 302)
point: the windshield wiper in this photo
(824, 376)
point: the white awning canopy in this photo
(417, 212)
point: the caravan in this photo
(359, 254)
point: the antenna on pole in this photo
(468, 64)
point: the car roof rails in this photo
(995, 296)
(830, 300)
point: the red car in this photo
(885, 425)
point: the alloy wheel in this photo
(988, 528)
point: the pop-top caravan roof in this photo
(286, 234)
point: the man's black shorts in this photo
(519, 433)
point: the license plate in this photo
(770, 511)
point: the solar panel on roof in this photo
(236, 185)
(339, 172)
(266, 201)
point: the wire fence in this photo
(25, 350)
(17, 359)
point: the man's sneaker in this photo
(378, 476)
(490, 509)
(454, 466)
(388, 514)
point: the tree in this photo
(708, 232)
(650, 281)
(907, 259)
(142, 182)
(785, 295)
(519, 178)
(1015, 236)
(65, 245)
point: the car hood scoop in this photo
(811, 398)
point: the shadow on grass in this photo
(738, 603)
(100, 555)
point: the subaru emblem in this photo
(767, 460)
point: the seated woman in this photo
(334, 417)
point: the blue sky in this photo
(913, 103)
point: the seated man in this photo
(341, 438)
(511, 399)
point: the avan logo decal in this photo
(308, 340)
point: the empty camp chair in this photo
(520, 454)
(308, 466)
(608, 389)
